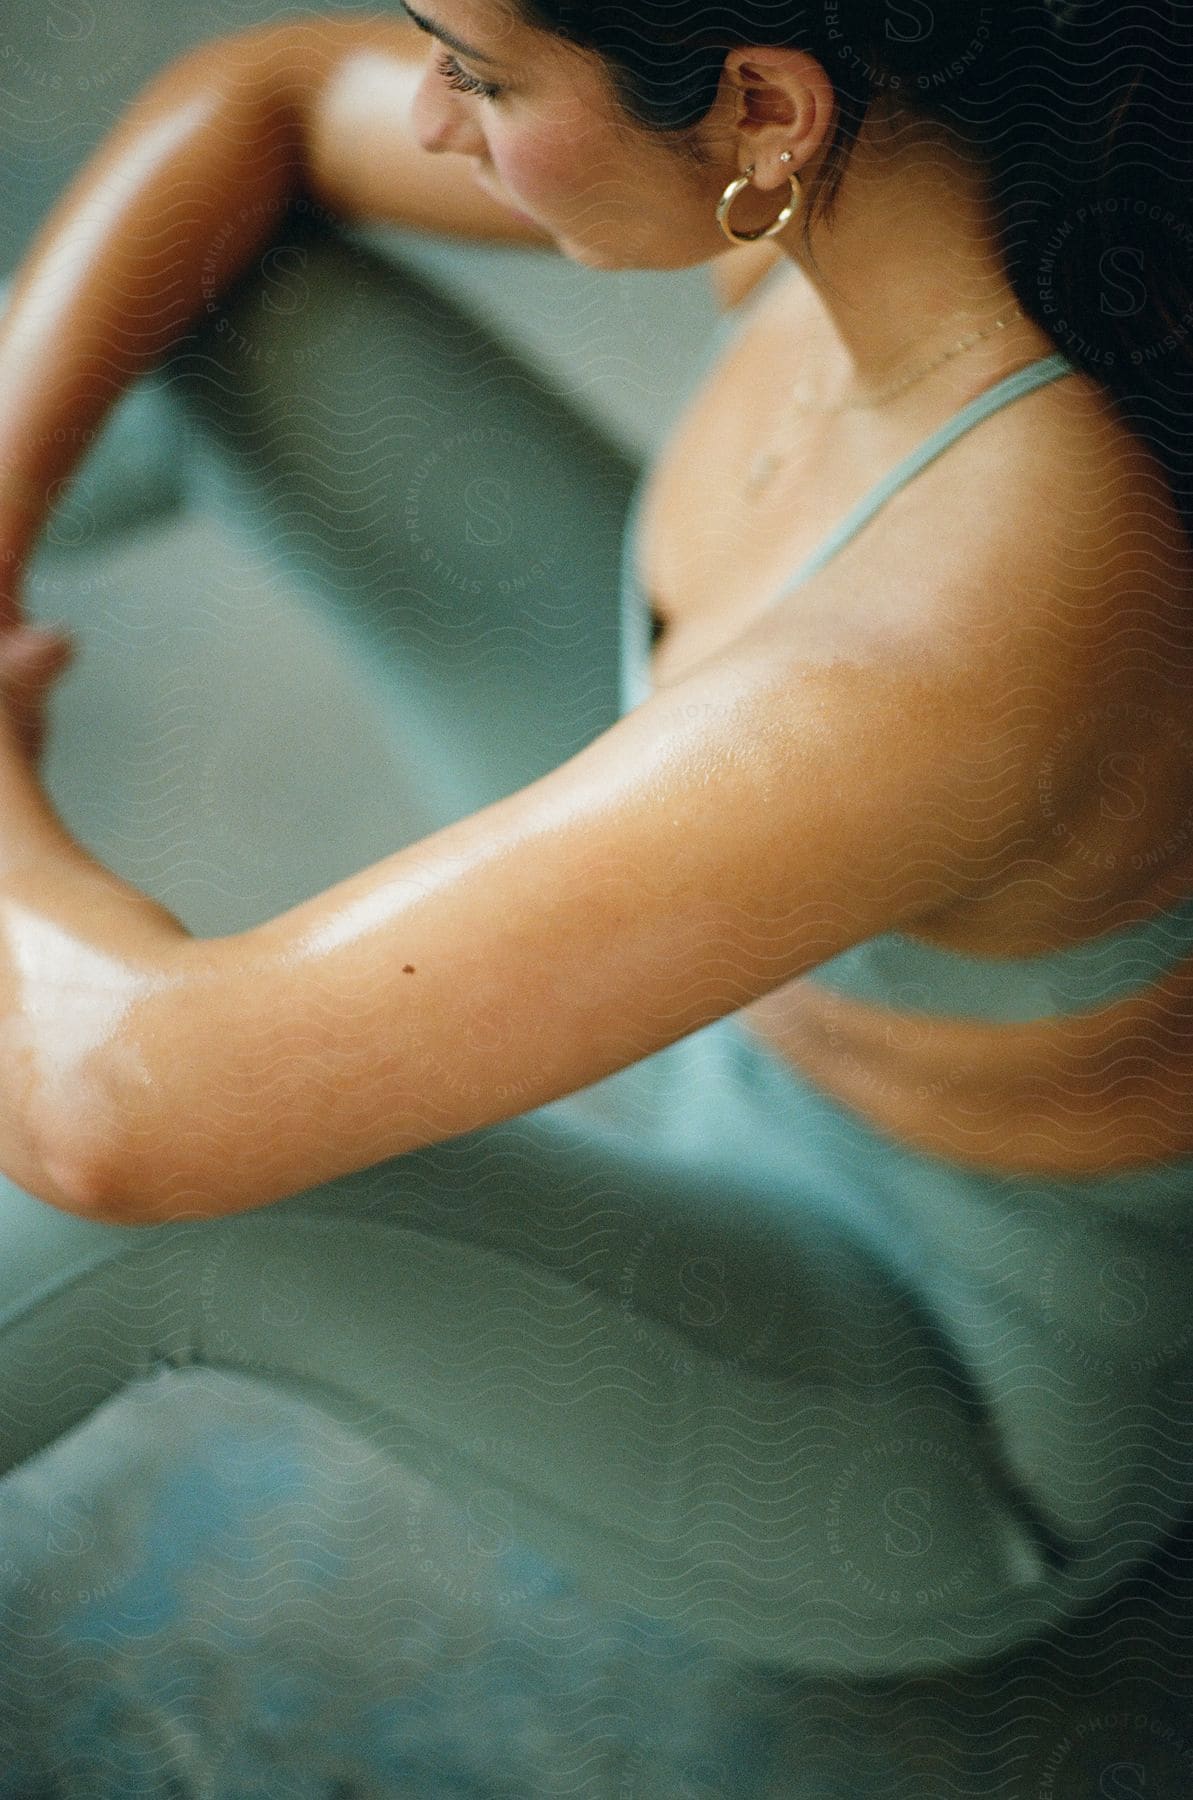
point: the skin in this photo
(912, 247)
(741, 835)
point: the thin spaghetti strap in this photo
(1013, 387)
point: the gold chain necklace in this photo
(767, 463)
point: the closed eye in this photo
(457, 77)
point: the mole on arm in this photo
(408, 969)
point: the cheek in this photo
(538, 165)
(553, 153)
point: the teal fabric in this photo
(901, 971)
(226, 1593)
(1013, 387)
(727, 1365)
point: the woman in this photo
(846, 973)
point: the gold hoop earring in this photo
(724, 206)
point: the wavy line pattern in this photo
(687, 1437)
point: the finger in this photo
(39, 637)
(35, 657)
(25, 714)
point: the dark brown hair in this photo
(1081, 111)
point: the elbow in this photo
(106, 1188)
(123, 1178)
(100, 1134)
(99, 1179)
(79, 1170)
(84, 1161)
(86, 1192)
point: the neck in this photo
(909, 266)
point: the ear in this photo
(784, 100)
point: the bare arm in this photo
(728, 835)
(194, 179)
(192, 182)
(793, 794)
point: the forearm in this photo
(193, 180)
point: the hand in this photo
(31, 660)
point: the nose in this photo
(442, 120)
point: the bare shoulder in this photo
(1058, 501)
(1117, 562)
(1043, 556)
(1049, 560)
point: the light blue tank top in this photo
(893, 969)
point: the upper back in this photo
(1073, 585)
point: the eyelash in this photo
(459, 78)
